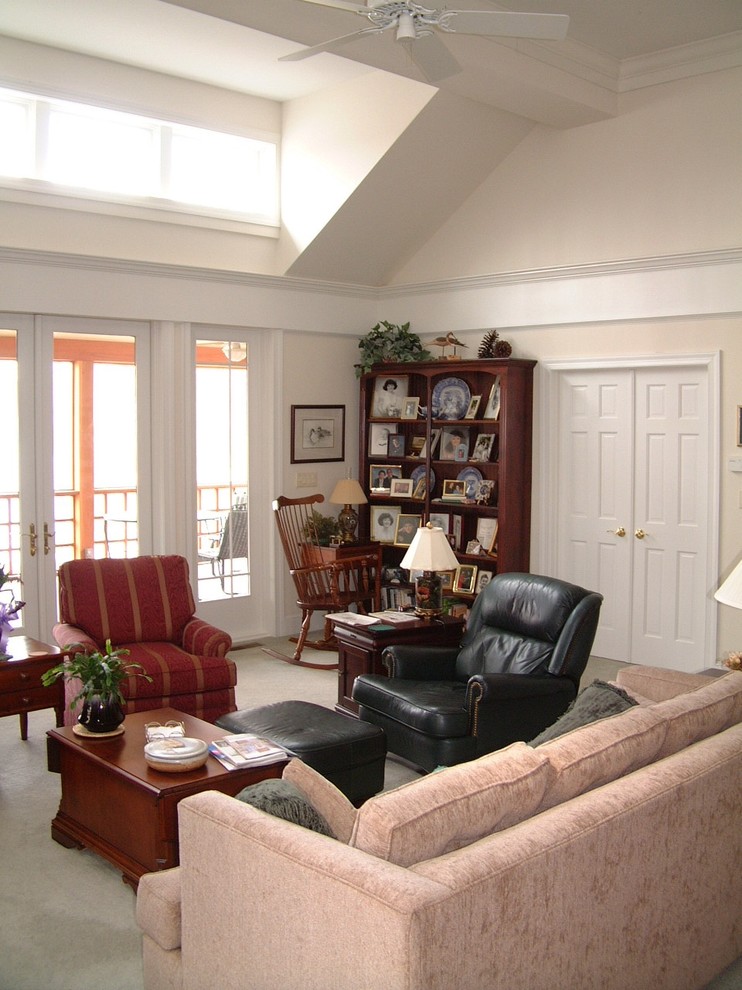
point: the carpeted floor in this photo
(66, 917)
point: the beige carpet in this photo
(66, 918)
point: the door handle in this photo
(47, 537)
(617, 532)
(640, 534)
(33, 539)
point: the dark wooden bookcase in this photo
(508, 466)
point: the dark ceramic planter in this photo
(101, 714)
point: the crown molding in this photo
(711, 55)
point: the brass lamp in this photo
(429, 552)
(347, 492)
(730, 593)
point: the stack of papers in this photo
(394, 617)
(246, 750)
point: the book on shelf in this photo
(393, 597)
(245, 749)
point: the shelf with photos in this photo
(450, 443)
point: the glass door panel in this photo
(10, 525)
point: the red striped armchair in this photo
(146, 605)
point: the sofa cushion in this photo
(452, 808)
(328, 799)
(282, 799)
(701, 713)
(598, 700)
(603, 751)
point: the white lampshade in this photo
(730, 591)
(429, 551)
(348, 492)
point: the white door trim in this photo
(545, 489)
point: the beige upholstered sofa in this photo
(606, 858)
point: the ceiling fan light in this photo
(406, 27)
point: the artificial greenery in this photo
(101, 673)
(320, 529)
(390, 342)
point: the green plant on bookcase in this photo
(391, 342)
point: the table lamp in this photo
(347, 492)
(730, 593)
(429, 552)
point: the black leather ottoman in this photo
(350, 753)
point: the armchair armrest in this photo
(205, 640)
(66, 636)
(493, 688)
(421, 663)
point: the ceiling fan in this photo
(415, 24)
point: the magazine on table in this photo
(246, 749)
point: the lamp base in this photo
(348, 520)
(428, 595)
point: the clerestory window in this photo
(57, 147)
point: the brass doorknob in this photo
(640, 534)
(617, 532)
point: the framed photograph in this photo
(395, 445)
(410, 407)
(317, 433)
(421, 488)
(442, 519)
(487, 533)
(378, 439)
(492, 409)
(465, 580)
(483, 579)
(454, 489)
(407, 526)
(471, 412)
(739, 426)
(485, 493)
(452, 440)
(483, 447)
(380, 477)
(446, 580)
(402, 487)
(389, 396)
(474, 548)
(417, 446)
(384, 523)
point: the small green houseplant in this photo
(390, 342)
(101, 674)
(321, 529)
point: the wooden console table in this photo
(360, 648)
(21, 690)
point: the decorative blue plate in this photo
(451, 398)
(472, 477)
(419, 472)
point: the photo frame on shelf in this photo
(378, 439)
(380, 477)
(442, 519)
(421, 488)
(483, 447)
(384, 522)
(456, 529)
(485, 493)
(465, 580)
(446, 580)
(452, 439)
(492, 409)
(410, 407)
(483, 579)
(417, 445)
(471, 412)
(487, 533)
(395, 445)
(407, 526)
(454, 490)
(389, 395)
(402, 487)
(317, 434)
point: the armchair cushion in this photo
(435, 708)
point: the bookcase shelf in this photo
(434, 451)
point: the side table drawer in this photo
(12, 702)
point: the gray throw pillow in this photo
(598, 700)
(281, 799)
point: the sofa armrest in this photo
(158, 907)
(66, 636)
(204, 640)
(421, 663)
(659, 683)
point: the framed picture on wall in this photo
(317, 433)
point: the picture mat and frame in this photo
(465, 580)
(402, 487)
(453, 439)
(389, 396)
(492, 409)
(410, 407)
(378, 439)
(487, 533)
(395, 444)
(483, 447)
(483, 579)
(317, 434)
(407, 525)
(377, 473)
(384, 522)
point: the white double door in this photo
(636, 506)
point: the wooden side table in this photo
(360, 648)
(21, 690)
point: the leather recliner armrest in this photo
(421, 663)
(494, 688)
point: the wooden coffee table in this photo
(118, 806)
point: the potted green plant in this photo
(389, 342)
(321, 529)
(101, 674)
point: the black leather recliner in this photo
(517, 669)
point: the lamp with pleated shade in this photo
(347, 492)
(429, 552)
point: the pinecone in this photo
(503, 349)
(487, 347)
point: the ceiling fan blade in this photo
(327, 46)
(503, 24)
(354, 8)
(431, 57)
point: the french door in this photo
(75, 482)
(636, 504)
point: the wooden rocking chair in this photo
(326, 578)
